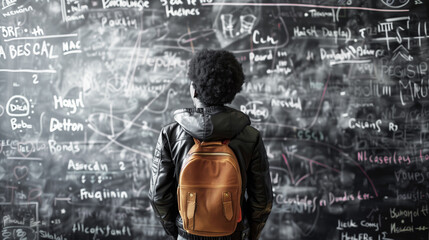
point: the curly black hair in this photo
(216, 75)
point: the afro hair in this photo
(216, 75)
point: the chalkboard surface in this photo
(338, 88)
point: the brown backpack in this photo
(209, 190)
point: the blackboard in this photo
(338, 88)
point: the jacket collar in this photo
(212, 123)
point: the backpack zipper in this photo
(208, 154)
(209, 186)
(211, 154)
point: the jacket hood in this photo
(212, 123)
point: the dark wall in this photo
(339, 89)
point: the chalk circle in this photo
(395, 3)
(20, 99)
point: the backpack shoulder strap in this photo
(196, 141)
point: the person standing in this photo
(216, 77)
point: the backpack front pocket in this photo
(220, 202)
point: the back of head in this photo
(216, 75)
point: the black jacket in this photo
(210, 124)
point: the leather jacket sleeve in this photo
(259, 190)
(162, 193)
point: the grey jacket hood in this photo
(212, 123)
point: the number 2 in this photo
(35, 79)
(122, 166)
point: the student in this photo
(216, 77)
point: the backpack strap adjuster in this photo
(227, 206)
(190, 211)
